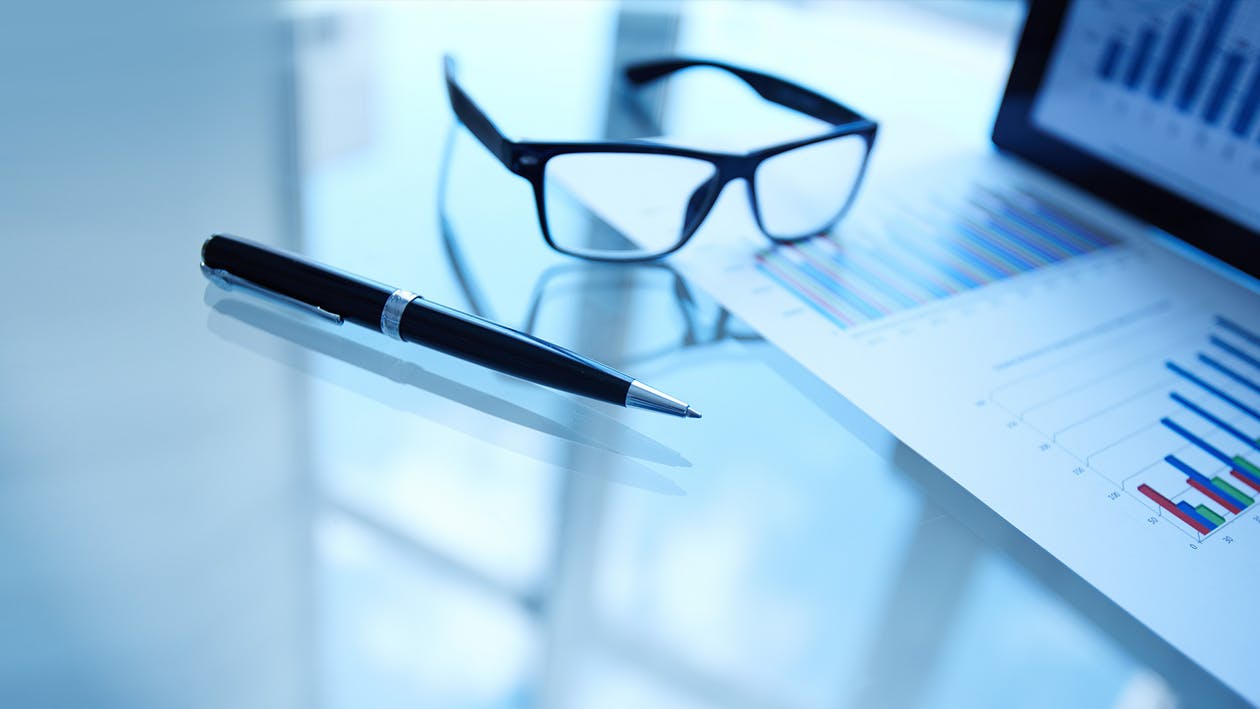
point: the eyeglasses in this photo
(796, 189)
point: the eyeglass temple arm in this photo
(475, 119)
(775, 90)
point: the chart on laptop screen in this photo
(1167, 90)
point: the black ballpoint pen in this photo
(403, 315)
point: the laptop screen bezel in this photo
(1015, 133)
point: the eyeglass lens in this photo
(642, 194)
(637, 205)
(801, 192)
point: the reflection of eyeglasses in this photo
(797, 189)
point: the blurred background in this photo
(205, 501)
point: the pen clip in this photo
(228, 281)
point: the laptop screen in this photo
(1169, 91)
(1153, 105)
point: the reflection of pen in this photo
(403, 315)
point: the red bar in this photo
(1168, 505)
(1221, 500)
(1245, 479)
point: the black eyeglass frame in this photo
(529, 159)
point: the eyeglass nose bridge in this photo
(735, 167)
(729, 168)
(701, 202)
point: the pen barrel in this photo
(355, 299)
(510, 351)
(423, 322)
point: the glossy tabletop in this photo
(207, 500)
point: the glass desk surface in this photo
(209, 501)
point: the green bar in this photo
(1233, 492)
(1206, 512)
(1247, 465)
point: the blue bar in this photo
(1216, 420)
(808, 301)
(1046, 228)
(997, 246)
(837, 289)
(1167, 65)
(1074, 239)
(1224, 84)
(993, 273)
(922, 270)
(1029, 239)
(1071, 227)
(1245, 117)
(1198, 477)
(1229, 373)
(1239, 330)
(874, 282)
(1238, 469)
(1026, 220)
(1177, 463)
(1234, 351)
(1207, 447)
(1220, 394)
(1110, 59)
(1141, 57)
(1208, 42)
(1194, 514)
(931, 262)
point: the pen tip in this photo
(692, 413)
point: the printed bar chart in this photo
(1214, 518)
(985, 236)
(1229, 500)
(1246, 472)
(1211, 488)
(1180, 431)
(1180, 511)
(1242, 498)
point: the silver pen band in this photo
(642, 396)
(391, 314)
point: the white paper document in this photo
(1098, 391)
